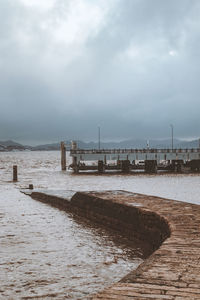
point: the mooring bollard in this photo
(14, 173)
(30, 186)
(63, 156)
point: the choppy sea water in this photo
(46, 253)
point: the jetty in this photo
(171, 230)
(126, 160)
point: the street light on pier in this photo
(172, 128)
(99, 137)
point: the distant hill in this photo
(188, 144)
(10, 146)
(10, 143)
(140, 144)
(54, 146)
(133, 143)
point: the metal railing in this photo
(122, 151)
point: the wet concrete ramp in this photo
(172, 229)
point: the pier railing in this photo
(121, 151)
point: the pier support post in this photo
(15, 173)
(177, 165)
(63, 156)
(76, 169)
(118, 164)
(150, 166)
(75, 163)
(180, 166)
(101, 167)
(125, 166)
(195, 165)
(198, 165)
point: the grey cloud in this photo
(137, 75)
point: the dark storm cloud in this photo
(131, 67)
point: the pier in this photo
(171, 229)
(126, 160)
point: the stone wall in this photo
(134, 222)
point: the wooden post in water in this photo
(74, 161)
(14, 173)
(63, 156)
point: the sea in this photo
(46, 253)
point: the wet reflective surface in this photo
(46, 253)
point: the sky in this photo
(67, 67)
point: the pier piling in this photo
(125, 164)
(63, 156)
(150, 166)
(15, 173)
(101, 167)
(150, 160)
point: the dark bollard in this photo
(30, 186)
(101, 167)
(63, 156)
(15, 173)
(125, 165)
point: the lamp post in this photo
(172, 128)
(99, 137)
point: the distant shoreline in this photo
(9, 145)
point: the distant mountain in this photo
(140, 144)
(188, 144)
(54, 146)
(133, 143)
(11, 145)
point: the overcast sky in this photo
(131, 67)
